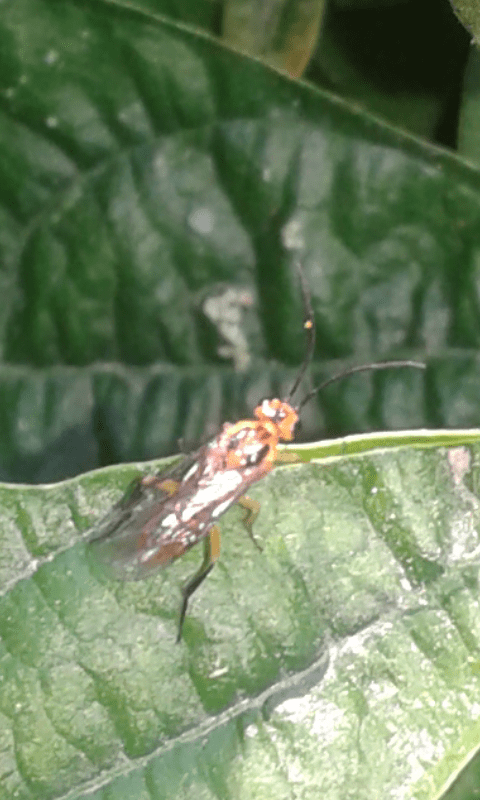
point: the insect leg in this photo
(252, 507)
(211, 554)
(167, 485)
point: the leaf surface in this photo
(344, 654)
(147, 170)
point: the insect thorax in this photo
(281, 414)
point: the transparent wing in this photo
(119, 540)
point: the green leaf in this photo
(146, 170)
(468, 134)
(342, 657)
(468, 12)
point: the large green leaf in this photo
(146, 168)
(468, 12)
(342, 661)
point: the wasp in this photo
(164, 515)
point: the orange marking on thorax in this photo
(286, 418)
(275, 421)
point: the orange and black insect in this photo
(163, 516)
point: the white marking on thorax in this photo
(169, 521)
(224, 483)
(218, 510)
(193, 469)
(252, 449)
(267, 409)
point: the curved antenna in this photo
(363, 368)
(309, 326)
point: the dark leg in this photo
(212, 551)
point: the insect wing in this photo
(118, 541)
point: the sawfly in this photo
(162, 516)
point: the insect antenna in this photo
(362, 368)
(309, 326)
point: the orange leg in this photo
(168, 485)
(252, 507)
(211, 554)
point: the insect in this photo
(164, 515)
